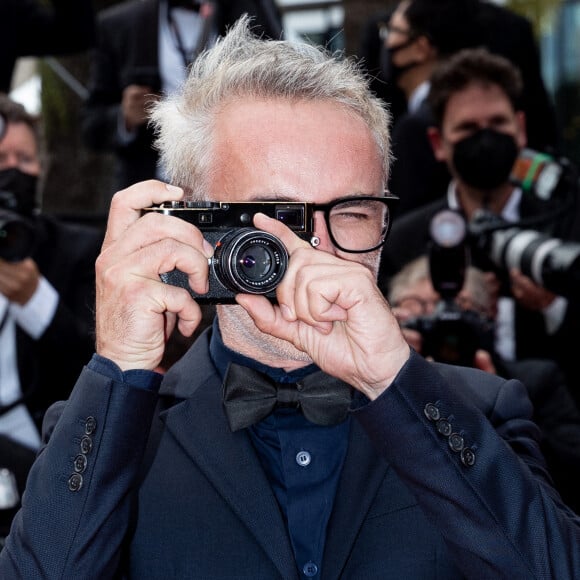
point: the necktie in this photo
(250, 396)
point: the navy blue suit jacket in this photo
(176, 494)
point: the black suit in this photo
(558, 417)
(48, 366)
(127, 53)
(416, 176)
(511, 35)
(30, 28)
(173, 493)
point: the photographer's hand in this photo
(135, 105)
(528, 293)
(332, 309)
(136, 312)
(19, 280)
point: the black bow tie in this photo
(249, 396)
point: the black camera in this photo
(17, 234)
(246, 260)
(550, 262)
(450, 334)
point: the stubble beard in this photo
(240, 334)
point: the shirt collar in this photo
(510, 212)
(418, 96)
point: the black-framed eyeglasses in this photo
(358, 224)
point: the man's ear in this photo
(436, 141)
(425, 50)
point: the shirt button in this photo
(303, 458)
(310, 569)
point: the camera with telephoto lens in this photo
(450, 334)
(550, 262)
(17, 234)
(246, 260)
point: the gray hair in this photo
(241, 65)
(418, 270)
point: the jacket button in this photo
(456, 442)
(431, 412)
(80, 463)
(75, 482)
(444, 427)
(86, 445)
(90, 425)
(467, 457)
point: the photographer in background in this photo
(479, 133)
(33, 28)
(143, 49)
(414, 299)
(46, 298)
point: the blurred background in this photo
(56, 88)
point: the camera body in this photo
(451, 335)
(17, 234)
(246, 260)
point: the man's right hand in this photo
(135, 310)
(135, 105)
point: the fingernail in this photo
(207, 249)
(286, 312)
(174, 189)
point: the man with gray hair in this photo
(335, 452)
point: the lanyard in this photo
(206, 12)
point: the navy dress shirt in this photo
(303, 461)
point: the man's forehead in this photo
(477, 99)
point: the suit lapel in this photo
(229, 461)
(361, 477)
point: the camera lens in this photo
(250, 261)
(256, 263)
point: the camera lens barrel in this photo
(250, 261)
(550, 262)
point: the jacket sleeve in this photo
(464, 444)
(76, 509)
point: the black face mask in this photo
(18, 191)
(391, 71)
(485, 159)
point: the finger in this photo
(152, 228)
(152, 260)
(483, 362)
(126, 205)
(281, 231)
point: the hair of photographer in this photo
(414, 282)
